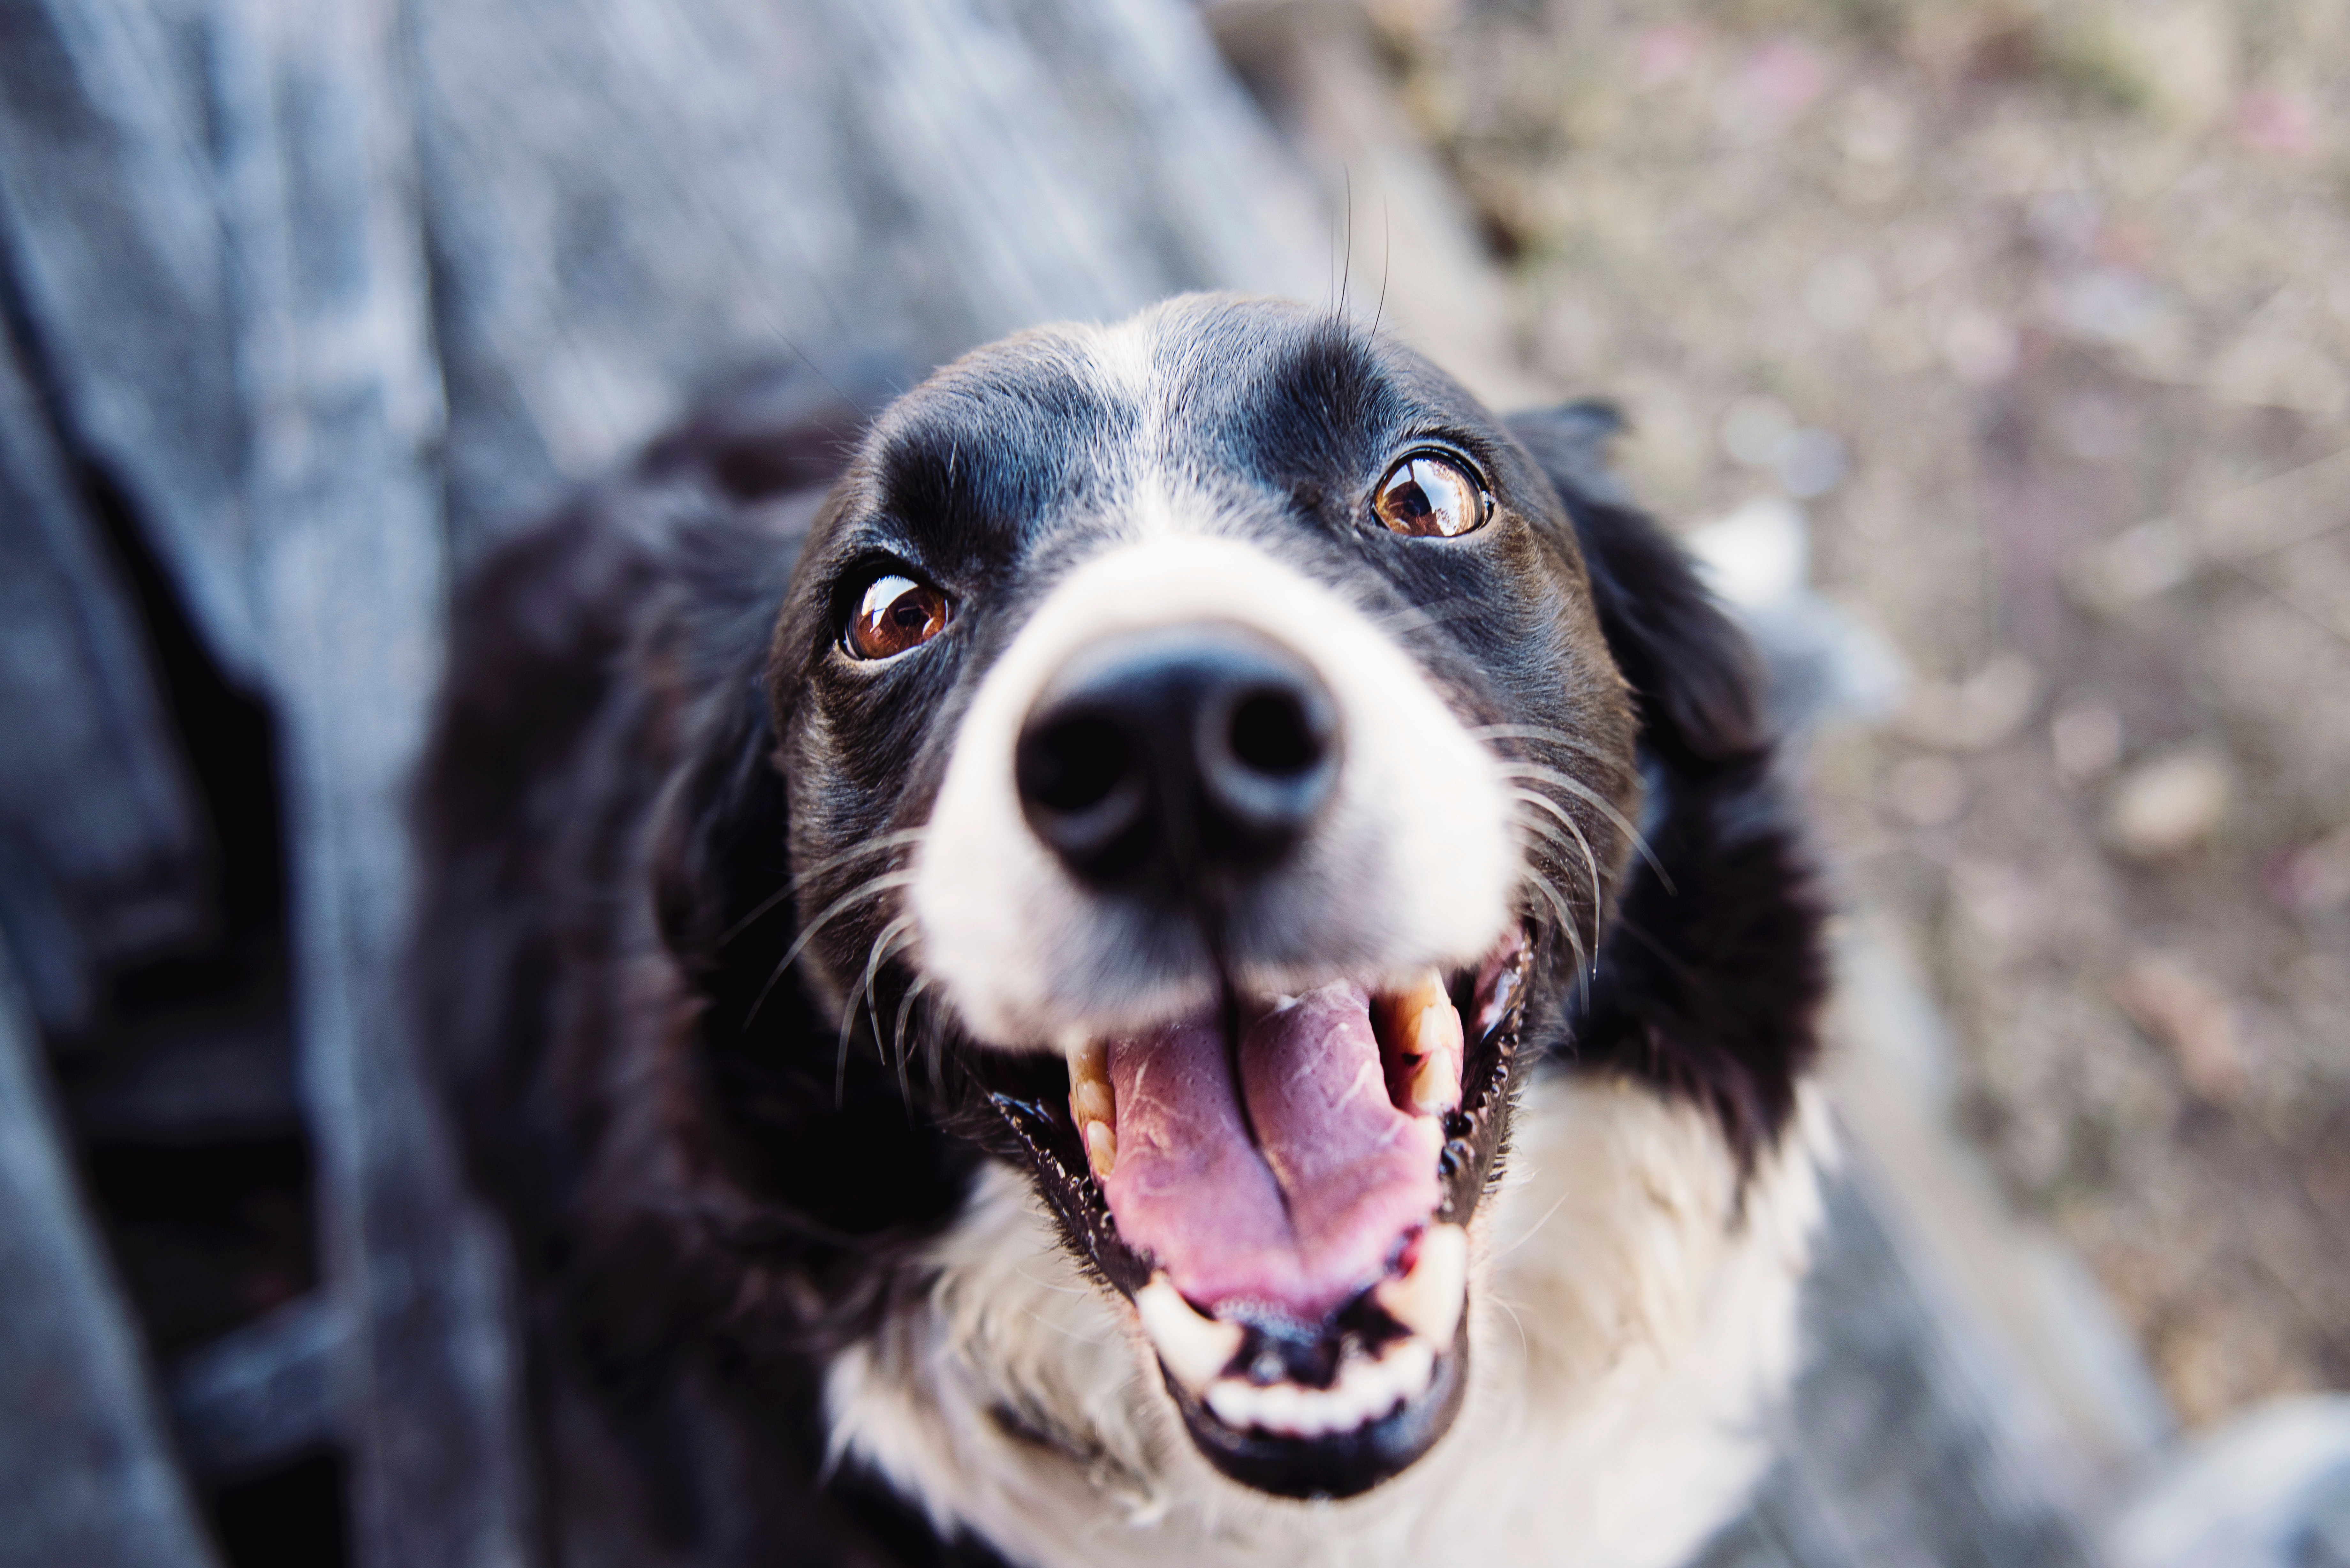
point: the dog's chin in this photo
(1287, 1213)
(1337, 1464)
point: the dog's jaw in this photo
(1633, 1311)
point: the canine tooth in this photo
(1088, 1063)
(1436, 1026)
(1427, 1301)
(1195, 1348)
(1411, 1369)
(1092, 1103)
(1424, 1029)
(1431, 1091)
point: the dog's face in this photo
(1201, 741)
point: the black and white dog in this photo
(1190, 956)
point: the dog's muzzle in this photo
(1212, 839)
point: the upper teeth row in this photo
(1420, 1022)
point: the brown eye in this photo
(1430, 496)
(896, 616)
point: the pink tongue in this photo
(1189, 1189)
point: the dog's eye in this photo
(896, 615)
(1429, 495)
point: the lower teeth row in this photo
(1367, 1390)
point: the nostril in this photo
(1082, 788)
(1074, 765)
(1268, 760)
(1272, 734)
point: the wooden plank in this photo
(350, 566)
(626, 198)
(1899, 1448)
(114, 245)
(263, 1394)
(100, 851)
(87, 1479)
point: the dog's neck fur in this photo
(1637, 1315)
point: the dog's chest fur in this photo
(1638, 1322)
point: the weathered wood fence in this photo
(302, 302)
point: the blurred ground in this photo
(2042, 312)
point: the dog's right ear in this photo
(1707, 983)
(1688, 666)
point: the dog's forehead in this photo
(1204, 391)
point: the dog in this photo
(1188, 949)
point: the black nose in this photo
(1169, 762)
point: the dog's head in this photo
(1204, 751)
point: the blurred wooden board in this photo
(86, 1474)
(101, 851)
(1893, 1451)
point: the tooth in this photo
(1423, 1030)
(1427, 1301)
(1234, 1402)
(1433, 1089)
(1435, 1025)
(1412, 1369)
(1195, 1348)
(1092, 1104)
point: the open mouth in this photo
(1289, 1216)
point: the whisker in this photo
(1049, 1285)
(1516, 768)
(934, 1054)
(1525, 1349)
(1535, 1229)
(1065, 1333)
(873, 888)
(1590, 861)
(885, 943)
(1567, 923)
(829, 863)
(898, 1035)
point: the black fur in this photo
(706, 1197)
(1710, 981)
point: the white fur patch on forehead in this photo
(1414, 861)
(1125, 356)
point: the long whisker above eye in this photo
(864, 892)
(1515, 768)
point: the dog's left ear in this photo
(1709, 981)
